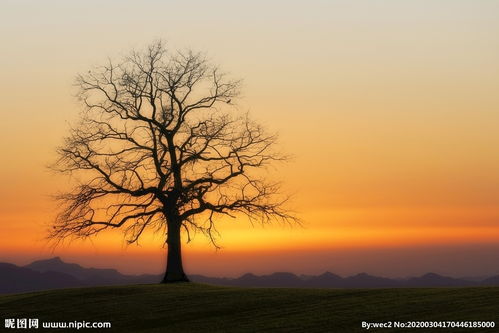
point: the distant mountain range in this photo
(54, 273)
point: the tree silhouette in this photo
(158, 147)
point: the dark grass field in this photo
(203, 308)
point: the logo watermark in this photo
(35, 323)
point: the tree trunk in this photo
(174, 269)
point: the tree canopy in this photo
(161, 145)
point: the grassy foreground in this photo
(203, 308)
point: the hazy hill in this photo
(90, 276)
(55, 273)
(14, 279)
(492, 281)
(57, 265)
(435, 280)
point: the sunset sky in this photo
(389, 108)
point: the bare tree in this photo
(158, 147)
